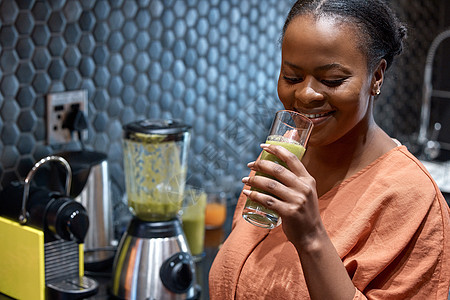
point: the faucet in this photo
(431, 147)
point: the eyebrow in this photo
(327, 67)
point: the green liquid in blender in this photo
(155, 188)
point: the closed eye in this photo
(334, 83)
(292, 79)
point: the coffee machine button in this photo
(177, 272)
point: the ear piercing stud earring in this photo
(378, 92)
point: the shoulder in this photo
(393, 222)
(400, 156)
(399, 169)
(396, 185)
(405, 170)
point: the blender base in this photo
(153, 261)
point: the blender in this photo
(153, 260)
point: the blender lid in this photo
(152, 126)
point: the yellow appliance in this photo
(41, 248)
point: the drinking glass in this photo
(193, 220)
(216, 209)
(290, 130)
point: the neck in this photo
(333, 163)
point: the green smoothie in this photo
(291, 145)
(193, 220)
(294, 147)
(156, 177)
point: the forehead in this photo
(326, 37)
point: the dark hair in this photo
(382, 32)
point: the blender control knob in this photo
(177, 272)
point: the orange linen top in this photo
(389, 223)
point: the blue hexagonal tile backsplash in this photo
(213, 64)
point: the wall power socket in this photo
(59, 106)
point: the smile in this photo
(315, 116)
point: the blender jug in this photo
(155, 168)
(153, 260)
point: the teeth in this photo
(312, 116)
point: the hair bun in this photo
(402, 32)
(402, 35)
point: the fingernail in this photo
(251, 164)
(246, 192)
(264, 145)
(245, 179)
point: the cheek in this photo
(349, 105)
(354, 97)
(353, 109)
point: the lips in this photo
(314, 116)
(318, 118)
(317, 115)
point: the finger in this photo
(267, 185)
(270, 202)
(291, 160)
(266, 200)
(273, 170)
(278, 180)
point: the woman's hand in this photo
(296, 202)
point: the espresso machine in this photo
(91, 187)
(42, 233)
(153, 260)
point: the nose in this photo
(308, 92)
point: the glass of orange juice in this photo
(216, 209)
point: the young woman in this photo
(361, 217)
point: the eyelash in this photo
(329, 83)
(334, 83)
(292, 79)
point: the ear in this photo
(378, 77)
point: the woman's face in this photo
(324, 75)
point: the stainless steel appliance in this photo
(153, 260)
(91, 188)
(42, 233)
